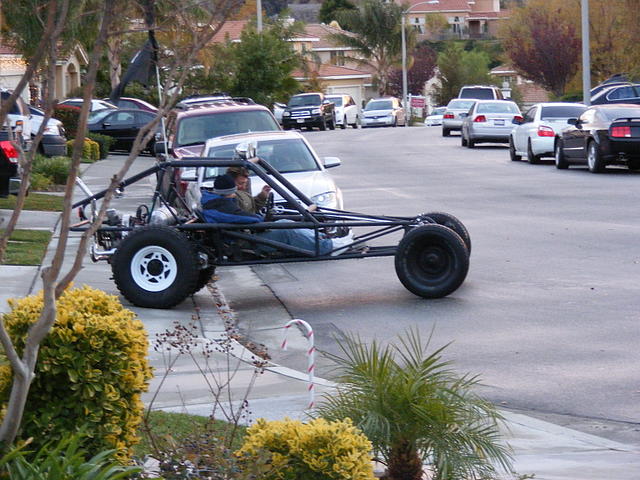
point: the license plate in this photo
(301, 120)
(499, 123)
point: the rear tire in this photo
(471, 143)
(155, 267)
(594, 159)
(531, 158)
(203, 278)
(446, 132)
(560, 159)
(344, 123)
(512, 151)
(452, 223)
(431, 261)
(355, 123)
(463, 141)
(332, 123)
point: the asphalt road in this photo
(549, 313)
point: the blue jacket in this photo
(219, 209)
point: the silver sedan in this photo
(489, 121)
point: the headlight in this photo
(327, 199)
(286, 114)
(315, 110)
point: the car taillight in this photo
(480, 118)
(449, 115)
(544, 131)
(621, 132)
(517, 119)
(10, 151)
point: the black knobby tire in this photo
(155, 267)
(332, 123)
(323, 124)
(431, 261)
(594, 158)
(560, 158)
(204, 276)
(344, 123)
(446, 132)
(512, 151)
(531, 158)
(453, 223)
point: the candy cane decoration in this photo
(311, 352)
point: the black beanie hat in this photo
(224, 185)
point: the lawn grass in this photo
(27, 247)
(35, 201)
(177, 428)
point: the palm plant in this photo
(416, 410)
(374, 35)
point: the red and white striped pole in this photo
(311, 353)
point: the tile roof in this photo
(327, 70)
(322, 32)
(532, 93)
(230, 28)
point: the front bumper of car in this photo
(378, 121)
(302, 121)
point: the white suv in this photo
(347, 112)
(18, 119)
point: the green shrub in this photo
(56, 169)
(91, 370)
(104, 143)
(62, 460)
(69, 116)
(40, 182)
(319, 450)
(90, 149)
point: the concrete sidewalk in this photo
(183, 383)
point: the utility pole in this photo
(586, 56)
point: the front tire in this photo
(323, 124)
(156, 267)
(431, 261)
(559, 157)
(594, 158)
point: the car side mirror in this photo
(246, 150)
(330, 162)
(573, 121)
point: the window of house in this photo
(337, 58)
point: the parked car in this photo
(278, 110)
(435, 117)
(18, 119)
(54, 141)
(626, 93)
(452, 118)
(129, 102)
(603, 135)
(383, 112)
(309, 110)
(96, 104)
(123, 125)
(481, 92)
(9, 166)
(289, 153)
(347, 112)
(535, 135)
(489, 121)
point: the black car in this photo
(620, 93)
(603, 135)
(309, 110)
(122, 124)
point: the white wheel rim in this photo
(154, 268)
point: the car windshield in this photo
(98, 115)
(479, 93)
(460, 104)
(304, 101)
(379, 105)
(285, 155)
(197, 129)
(497, 107)
(336, 100)
(615, 113)
(562, 111)
(438, 111)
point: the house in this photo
(69, 66)
(327, 62)
(531, 92)
(463, 19)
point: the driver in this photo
(220, 205)
(243, 195)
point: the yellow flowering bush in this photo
(91, 370)
(318, 450)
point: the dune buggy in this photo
(162, 254)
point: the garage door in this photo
(354, 90)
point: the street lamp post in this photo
(404, 55)
(586, 55)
